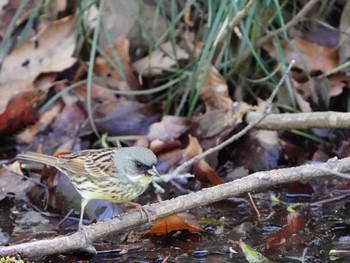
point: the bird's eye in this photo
(139, 165)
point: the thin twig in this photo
(177, 172)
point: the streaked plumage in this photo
(115, 174)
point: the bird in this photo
(117, 175)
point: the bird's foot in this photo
(143, 210)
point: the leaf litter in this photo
(46, 66)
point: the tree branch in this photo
(287, 121)
(82, 240)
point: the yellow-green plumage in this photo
(115, 174)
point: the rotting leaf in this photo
(180, 221)
(296, 222)
(202, 169)
(169, 128)
(251, 255)
(39, 53)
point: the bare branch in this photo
(253, 182)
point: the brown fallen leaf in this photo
(181, 221)
(214, 92)
(39, 53)
(287, 235)
(202, 169)
(307, 56)
(20, 111)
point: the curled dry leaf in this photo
(169, 128)
(181, 221)
(214, 92)
(39, 53)
(307, 56)
(202, 169)
(103, 68)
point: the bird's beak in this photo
(153, 171)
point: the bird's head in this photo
(138, 163)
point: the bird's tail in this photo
(38, 157)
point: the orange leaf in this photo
(181, 221)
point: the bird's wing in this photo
(95, 164)
(100, 165)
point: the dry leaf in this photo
(44, 121)
(52, 44)
(161, 59)
(169, 128)
(19, 112)
(307, 56)
(214, 92)
(181, 221)
(202, 169)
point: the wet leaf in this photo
(181, 221)
(251, 255)
(260, 151)
(287, 235)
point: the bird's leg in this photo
(84, 202)
(141, 209)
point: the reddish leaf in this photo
(19, 112)
(295, 222)
(202, 169)
(181, 221)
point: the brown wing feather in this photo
(96, 164)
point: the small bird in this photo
(117, 175)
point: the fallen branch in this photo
(287, 121)
(82, 240)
